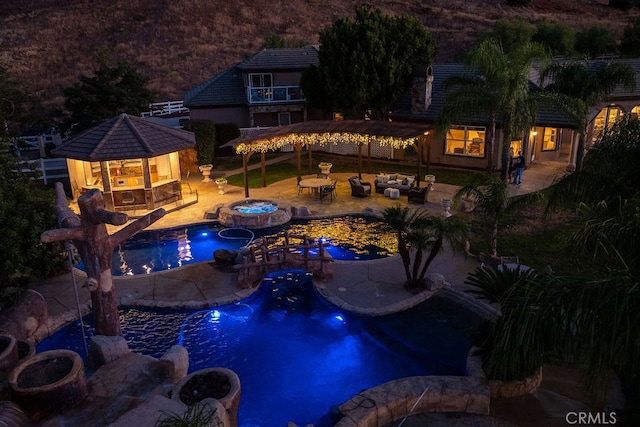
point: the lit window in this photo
(260, 87)
(550, 139)
(605, 119)
(465, 141)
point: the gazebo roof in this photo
(125, 137)
(325, 131)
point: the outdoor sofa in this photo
(402, 182)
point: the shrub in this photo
(205, 132)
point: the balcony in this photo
(274, 94)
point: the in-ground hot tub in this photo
(254, 214)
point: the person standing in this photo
(518, 164)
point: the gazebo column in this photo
(106, 186)
(310, 160)
(148, 191)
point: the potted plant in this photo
(325, 167)
(205, 170)
(222, 183)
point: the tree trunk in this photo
(432, 255)
(494, 239)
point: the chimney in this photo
(421, 89)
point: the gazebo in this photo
(133, 161)
(322, 132)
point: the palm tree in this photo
(490, 195)
(606, 191)
(497, 86)
(586, 86)
(417, 232)
(590, 319)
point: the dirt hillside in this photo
(48, 44)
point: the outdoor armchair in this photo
(359, 188)
(419, 195)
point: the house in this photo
(261, 91)
(264, 91)
(553, 137)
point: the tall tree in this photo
(586, 85)
(111, 91)
(630, 42)
(596, 41)
(366, 64)
(497, 87)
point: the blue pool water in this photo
(347, 238)
(296, 355)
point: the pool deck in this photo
(368, 287)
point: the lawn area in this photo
(343, 164)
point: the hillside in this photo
(48, 44)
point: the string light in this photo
(277, 142)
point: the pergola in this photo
(323, 132)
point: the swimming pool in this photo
(348, 238)
(296, 355)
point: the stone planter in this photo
(325, 168)
(13, 415)
(430, 179)
(49, 383)
(221, 186)
(8, 352)
(446, 207)
(218, 383)
(26, 349)
(517, 387)
(205, 170)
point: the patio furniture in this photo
(314, 183)
(327, 191)
(402, 182)
(359, 188)
(392, 193)
(419, 195)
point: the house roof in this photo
(228, 87)
(547, 115)
(298, 58)
(125, 137)
(325, 131)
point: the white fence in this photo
(45, 169)
(165, 108)
(33, 142)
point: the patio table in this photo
(314, 183)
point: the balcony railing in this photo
(274, 94)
